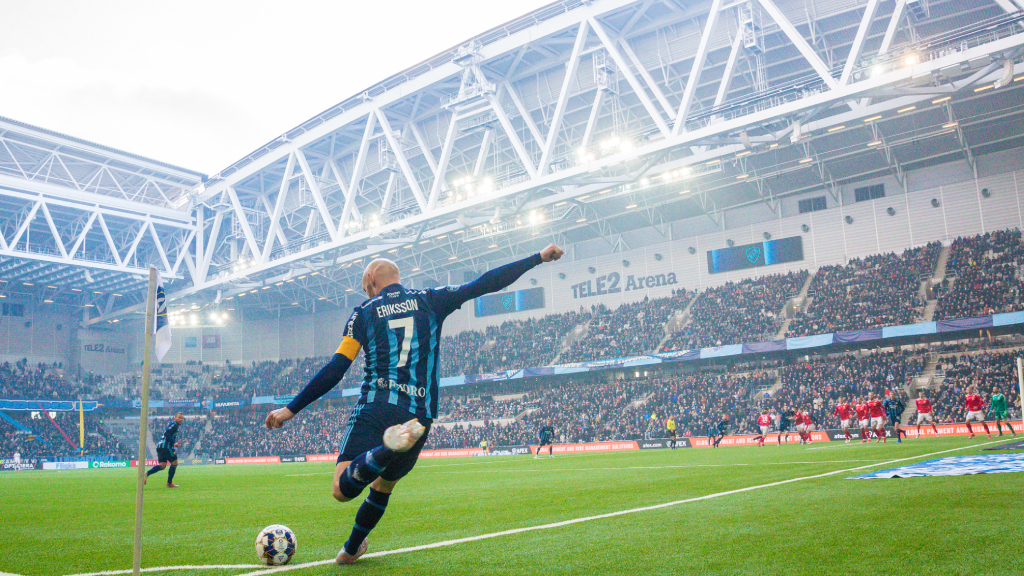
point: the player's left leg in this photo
(373, 507)
(170, 473)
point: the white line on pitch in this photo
(599, 516)
(164, 569)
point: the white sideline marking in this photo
(528, 528)
(164, 568)
(600, 516)
(613, 468)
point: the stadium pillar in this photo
(147, 364)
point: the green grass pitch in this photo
(68, 522)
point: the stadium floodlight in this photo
(644, 181)
(911, 60)
(194, 319)
(224, 316)
(610, 142)
(806, 159)
(949, 125)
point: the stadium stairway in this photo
(676, 322)
(938, 276)
(795, 304)
(579, 332)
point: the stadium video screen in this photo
(752, 255)
(508, 302)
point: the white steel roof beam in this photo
(563, 98)
(318, 198)
(638, 89)
(699, 60)
(794, 36)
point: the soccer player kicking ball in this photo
(877, 413)
(400, 331)
(545, 435)
(975, 411)
(894, 408)
(165, 452)
(924, 413)
(844, 412)
(863, 419)
(999, 410)
(764, 422)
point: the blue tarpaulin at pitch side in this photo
(954, 466)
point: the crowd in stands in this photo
(631, 329)
(459, 352)
(45, 441)
(985, 371)
(737, 312)
(988, 276)
(22, 380)
(873, 292)
(818, 384)
(525, 343)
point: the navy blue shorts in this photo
(365, 431)
(166, 455)
(894, 421)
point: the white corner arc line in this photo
(601, 516)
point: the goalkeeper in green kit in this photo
(999, 410)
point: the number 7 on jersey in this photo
(406, 324)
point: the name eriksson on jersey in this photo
(397, 308)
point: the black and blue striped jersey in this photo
(399, 332)
(546, 433)
(170, 435)
(894, 408)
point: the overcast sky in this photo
(202, 83)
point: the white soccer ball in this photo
(275, 545)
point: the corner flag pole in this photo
(1020, 387)
(147, 364)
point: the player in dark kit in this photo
(165, 452)
(399, 330)
(545, 434)
(894, 408)
(783, 424)
(721, 428)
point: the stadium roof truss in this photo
(80, 221)
(586, 119)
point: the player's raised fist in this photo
(551, 253)
(277, 418)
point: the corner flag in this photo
(162, 327)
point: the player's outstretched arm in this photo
(321, 384)
(496, 279)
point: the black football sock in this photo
(154, 470)
(170, 473)
(364, 469)
(369, 514)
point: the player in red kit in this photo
(975, 410)
(862, 419)
(844, 412)
(924, 413)
(877, 413)
(808, 425)
(764, 422)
